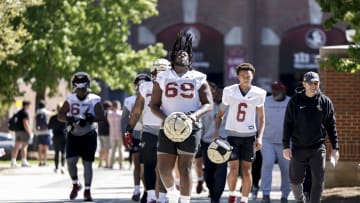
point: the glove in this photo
(191, 115)
(81, 122)
(71, 120)
(128, 140)
(89, 118)
(195, 121)
(128, 137)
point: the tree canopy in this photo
(80, 35)
(13, 36)
(347, 11)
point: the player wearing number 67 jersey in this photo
(81, 110)
(244, 101)
(179, 89)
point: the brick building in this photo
(281, 38)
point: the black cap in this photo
(311, 77)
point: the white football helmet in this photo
(219, 151)
(177, 126)
(160, 64)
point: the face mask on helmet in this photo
(140, 79)
(178, 126)
(80, 80)
(219, 151)
(159, 65)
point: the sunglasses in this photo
(313, 83)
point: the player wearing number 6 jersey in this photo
(244, 101)
(179, 89)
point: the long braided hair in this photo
(183, 42)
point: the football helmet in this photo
(80, 80)
(219, 151)
(140, 78)
(178, 126)
(160, 64)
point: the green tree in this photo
(347, 11)
(12, 38)
(91, 36)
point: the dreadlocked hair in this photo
(183, 42)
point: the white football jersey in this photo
(180, 93)
(78, 109)
(242, 109)
(149, 118)
(129, 103)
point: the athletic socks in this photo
(137, 189)
(173, 194)
(151, 195)
(162, 197)
(184, 199)
(244, 199)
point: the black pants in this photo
(149, 159)
(59, 148)
(307, 183)
(256, 169)
(214, 175)
(315, 160)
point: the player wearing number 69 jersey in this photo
(179, 89)
(244, 101)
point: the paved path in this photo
(41, 184)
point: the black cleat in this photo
(74, 192)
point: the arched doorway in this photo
(299, 48)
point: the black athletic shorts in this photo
(136, 146)
(148, 147)
(83, 146)
(188, 146)
(244, 148)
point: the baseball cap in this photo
(311, 77)
(278, 85)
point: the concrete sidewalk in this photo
(41, 184)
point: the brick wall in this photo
(344, 91)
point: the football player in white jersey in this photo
(244, 101)
(132, 135)
(81, 111)
(150, 130)
(180, 89)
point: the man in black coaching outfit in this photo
(309, 117)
